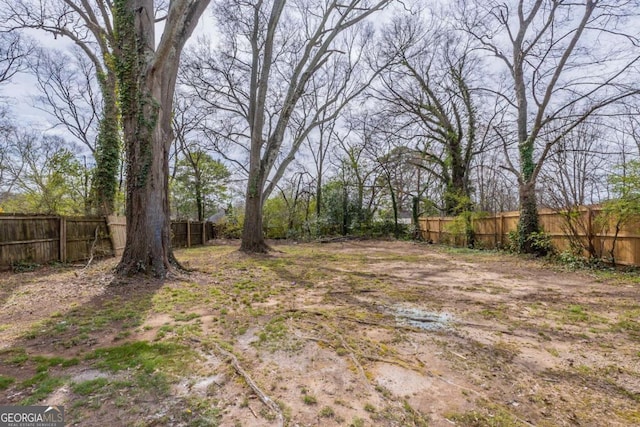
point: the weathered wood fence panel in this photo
(40, 239)
(585, 224)
(179, 235)
(29, 238)
(185, 234)
(85, 236)
(117, 226)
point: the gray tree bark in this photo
(147, 77)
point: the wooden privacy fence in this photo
(583, 227)
(39, 239)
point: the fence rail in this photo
(40, 239)
(586, 228)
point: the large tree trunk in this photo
(252, 233)
(457, 197)
(147, 76)
(528, 217)
(148, 139)
(319, 197)
(199, 201)
(394, 206)
(105, 179)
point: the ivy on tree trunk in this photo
(147, 77)
(105, 178)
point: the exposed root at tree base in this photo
(255, 248)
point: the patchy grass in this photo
(199, 348)
(89, 387)
(5, 382)
(40, 386)
(143, 356)
(490, 415)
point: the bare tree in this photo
(275, 57)
(564, 62)
(147, 73)
(7, 179)
(89, 26)
(14, 52)
(573, 177)
(426, 94)
(68, 93)
(494, 185)
(318, 145)
(357, 170)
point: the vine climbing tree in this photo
(147, 73)
(89, 26)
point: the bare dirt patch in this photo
(342, 334)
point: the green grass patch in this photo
(147, 357)
(89, 387)
(5, 382)
(629, 322)
(15, 356)
(156, 383)
(178, 298)
(309, 399)
(42, 385)
(185, 317)
(200, 413)
(490, 415)
(576, 313)
(492, 314)
(44, 363)
(326, 412)
(81, 321)
(276, 336)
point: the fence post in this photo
(501, 230)
(63, 239)
(188, 233)
(439, 229)
(204, 232)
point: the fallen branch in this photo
(354, 359)
(268, 402)
(372, 358)
(252, 411)
(93, 248)
(398, 362)
(355, 320)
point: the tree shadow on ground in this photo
(63, 336)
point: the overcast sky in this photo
(21, 90)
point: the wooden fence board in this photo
(179, 234)
(117, 228)
(30, 239)
(40, 239)
(85, 235)
(493, 232)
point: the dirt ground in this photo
(357, 333)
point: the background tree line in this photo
(309, 118)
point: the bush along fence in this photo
(38, 239)
(584, 230)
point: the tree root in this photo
(354, 359)
(268, 402)
(354, 319)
